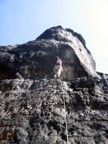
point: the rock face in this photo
(35, 108)
(33, 112)
(37, 58)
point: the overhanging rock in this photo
(37, 58)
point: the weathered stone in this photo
(37, 58)
(33, 115)
(37, 109)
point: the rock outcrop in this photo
(33, 112)
(35, 108)
(37, 58)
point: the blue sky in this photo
(24, 20)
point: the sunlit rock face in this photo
(37, 58)
(36, 108)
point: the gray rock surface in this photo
(37, 58)
(35, 108)
(32, 111)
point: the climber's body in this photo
(58, 68)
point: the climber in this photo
(58, 68)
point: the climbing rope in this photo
(66, 128)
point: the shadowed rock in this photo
(35, 108)
(37, 58)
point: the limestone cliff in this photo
(35, 108)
